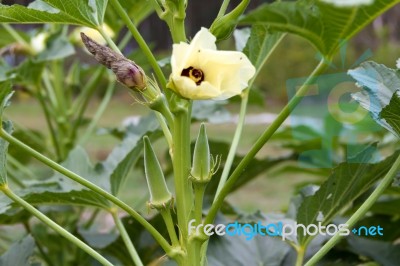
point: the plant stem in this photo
(181, 160)
(54, 226)
(103, 105)
(110, 42)
(300, 256)
(92, 218)
(82, 101)
(360, 212)
(38, 245)
(235, 142)
(223, 8)
(242, 116)
(169, 223)
(15, 34)
(164, 128)
(141, 42)
(127, 240)
(286, 111)
(198, 202)
(49, 122)
(59, 168)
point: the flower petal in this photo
(226, 73)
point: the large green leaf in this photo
(326, 26)
(347, 182)
(79, 12)
(19, 253)
(380, 94)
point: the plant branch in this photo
(54, 226)
(169, 223)
(386, 181)
(103, 105)
(141, 42)
(223, 8)
(286, 111)
(59, 168)
(235, 141)
(127, 240)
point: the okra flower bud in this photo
(127, 72)
(223, 26)
(201, 170)
(160, 197)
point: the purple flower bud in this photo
(127, 72)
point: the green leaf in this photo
(379, 95)
(28, 73)
(391, 114)
(5, 95)
(7, 126)
(19, 253)
(324, 25)
(385, 253)
(237, 250)
(261, 44)
(347, 182)
(126, 154)
(79, 12)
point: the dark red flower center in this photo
(194, 74)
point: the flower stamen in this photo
(194, 74)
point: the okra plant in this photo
(188, 190)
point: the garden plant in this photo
(50, 216)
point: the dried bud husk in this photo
(160, 197)
(127, 72)
(223, 26)
(201, 170)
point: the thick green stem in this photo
(54, 226)
(300, 256)
(286, 111)
(127, 240)
(360, 213)
(159, 238)
(141, 42)
(181, 162)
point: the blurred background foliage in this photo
(293, 58)
(268, 184)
